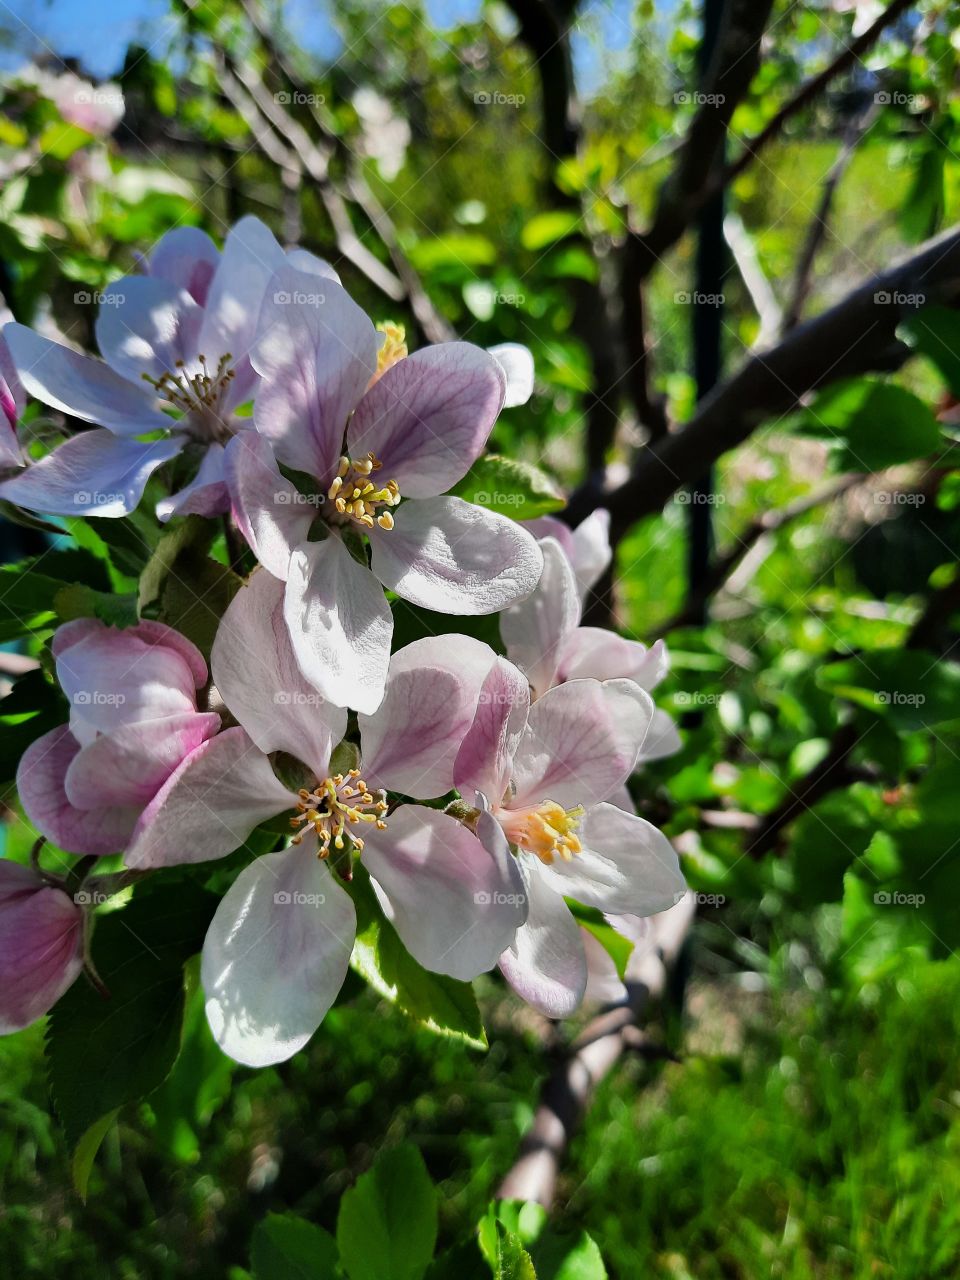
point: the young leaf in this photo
(512, 488)
(387, 1225)
(912, 689)
(877, 424)
(103, 1052)
(285, 1247)
(934, 332)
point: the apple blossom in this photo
(587, 547)
(383, 439)
(542, 775)
(41, 945)
(175, 345)
(133, 717)
(277, 950)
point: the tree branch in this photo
(856, 336)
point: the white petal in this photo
(535, 631)
(276, 955)
(516, 362)
(269, 511)
(546, 963)
(146, 325)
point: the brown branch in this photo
(566, 1095)
(856, 336)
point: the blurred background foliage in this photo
(810, 1124)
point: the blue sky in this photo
(99, 31)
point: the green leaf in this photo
(460, 250)
(441, 1004)
(28, 589)
(877, 424)
(503, 1249)
(567, 1257)
(61, 140)
(617, 947)
(547, 228)
(285, 1247)
(86, 1150)
(910, 688)
(516, 489)
(80, 601)
(387, 1224)
(104, 1052)
(183, 587)
(934, 332)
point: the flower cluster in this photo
(477, 792)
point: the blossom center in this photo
(198, 394)
(359, 497)
(549, 831)
(335, 805)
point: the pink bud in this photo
(41, 945)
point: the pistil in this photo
(335, 805)
(549, 831)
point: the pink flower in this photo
(41, 945)
(543, 636)
(383, 446)
(174, 340)
(133, 717)
(542, 775)
(587, 547)
(278, 947)
(12, 402)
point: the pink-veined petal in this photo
(580, 743)
(594, 653)
(94, 473)
(448, 555)
(316, 351)
(627, 867)
(186, 257)
(452, 904)
(205, 495)
(340, 624)
(41, 946)
(546, 964)
(428, 417)
(145, 632)
(537, 631)
(276, 955)
(411, 741)
(82, 386)
(209, 804)
(145, 326)
(270, 512)
(260, 680)
(662, 739)
(41, 778)
(485, 758)
(592, 552)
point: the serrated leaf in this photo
(102, 1053)
(512, 488)
(285, 1247)
(504, 1250)
(387, 1224)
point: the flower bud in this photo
(41, 945)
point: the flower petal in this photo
(145, 632)
(603, 982)
(186, 257)
(429, 416)
(81, 386)
(594, 653)
(537, 631)
(209, 804)
(485, 758)
(592, 552)
(275, 956)
(145, 326)
(454, 907)
(580, 743)
(269, 511)
(627, 866)
(258, 677)
(41, 946)
(130, 765)
(448, 555)
(316, 352)
(340, 624)
(40, 785)
(206, 494)
(411, 741)
(546, 964)
(517, 364)
(93, 473)
(662, 739)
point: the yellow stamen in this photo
(358, 498)
(333, 805)
(549, 831)
(394, 347)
